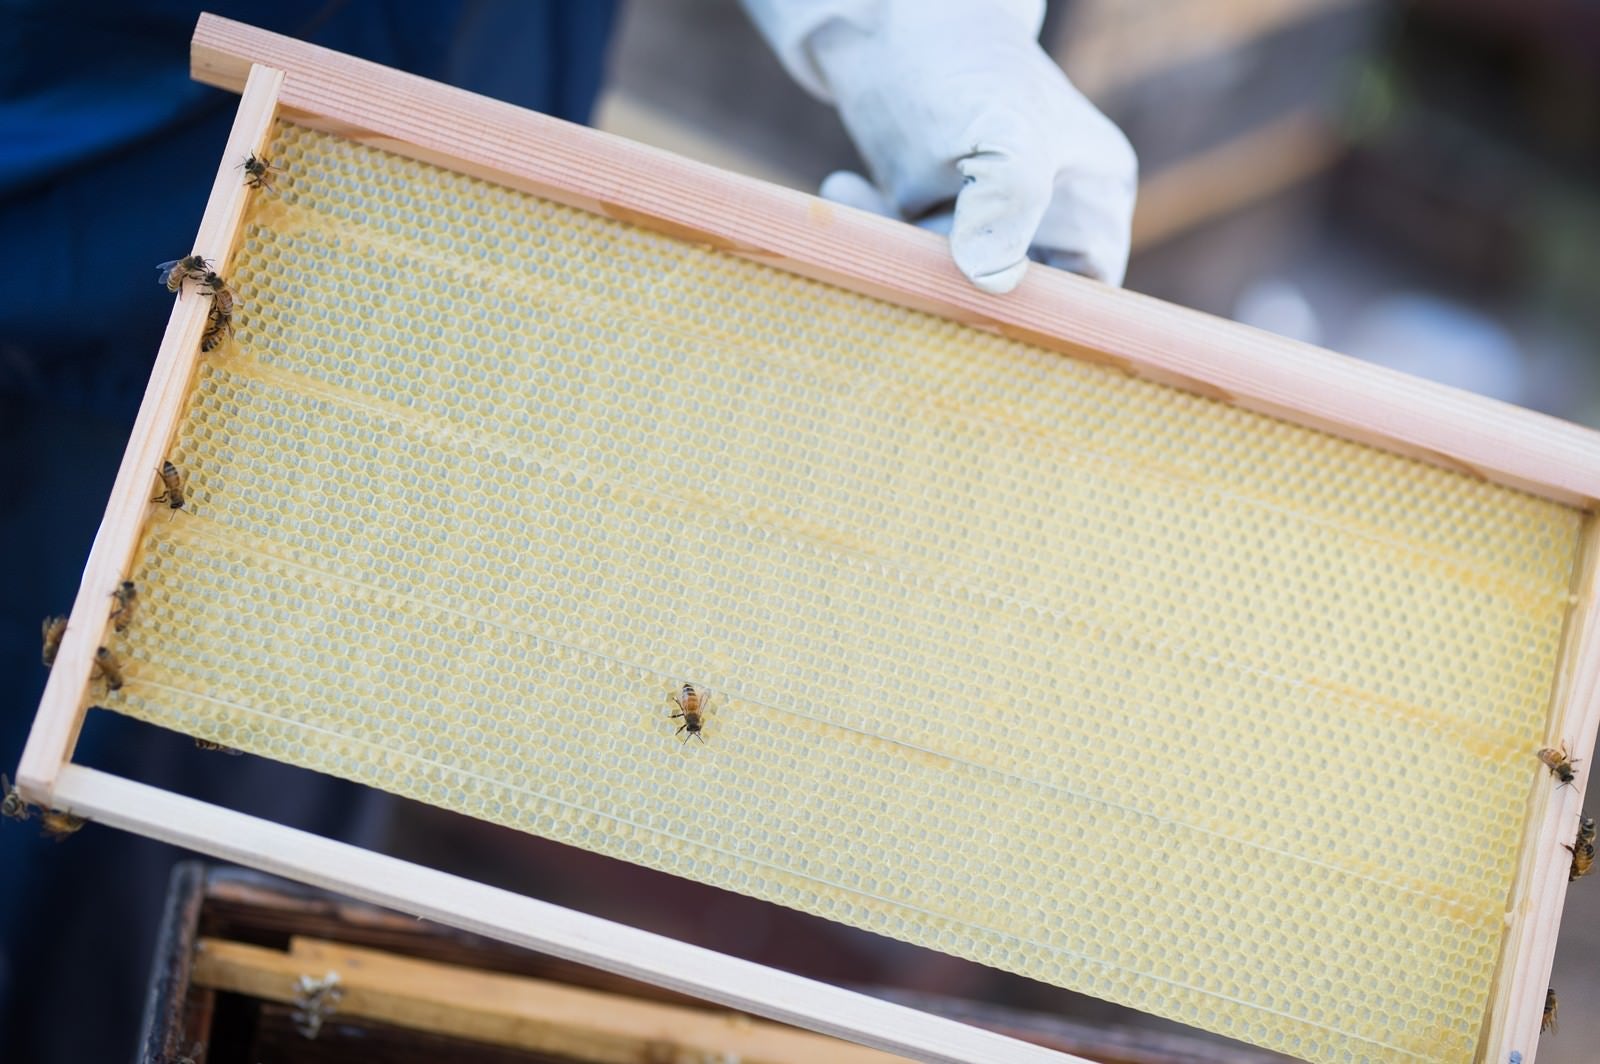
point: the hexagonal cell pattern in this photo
(1011, 656)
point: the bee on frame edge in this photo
(176, 271)
(14, 805)
(258, 171)
(58, 825)
(127, 596)
(1555, 758)
(54, 628)
(1582, 849)
(171, 485)
(108, 668)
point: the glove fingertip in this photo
(999, 282)
(1002, 200)
(993, 257)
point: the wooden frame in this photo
(796, 232)
(61, 711)
(47, 777)
(510, 1010)
(300, 924)
(1539, 892)
(533, 924)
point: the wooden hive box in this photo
(235, 944)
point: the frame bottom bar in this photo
(532, 924)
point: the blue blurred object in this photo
(107, 154)
(1444, 341)
(109, 150)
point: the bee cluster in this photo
(198, 270)
(207, 281)
(106, 668)
(57, 825)
(1564, 768)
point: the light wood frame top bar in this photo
(557, 160)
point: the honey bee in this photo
(219, 322)
(59, 825)
(196, 1054)
(207, 744)
(1559, 764)
(188, 268)
(53, 628)
(1548, 1021)
(14, 804)
(173, 485)
(127, 596)
(693, 704)
(108, 669)
(258, 170)
(216, 329)
(222, 296)
(315, 1000)
(1582, 849)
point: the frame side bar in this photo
(803, 234)
(61, 710)
(537, 925)
(1540, 891)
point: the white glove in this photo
(954, 100)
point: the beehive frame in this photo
(1142, 337)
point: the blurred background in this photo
(1414, 182)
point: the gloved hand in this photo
(954, 100)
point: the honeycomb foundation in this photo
(1010, 656)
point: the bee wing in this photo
(164, 269)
